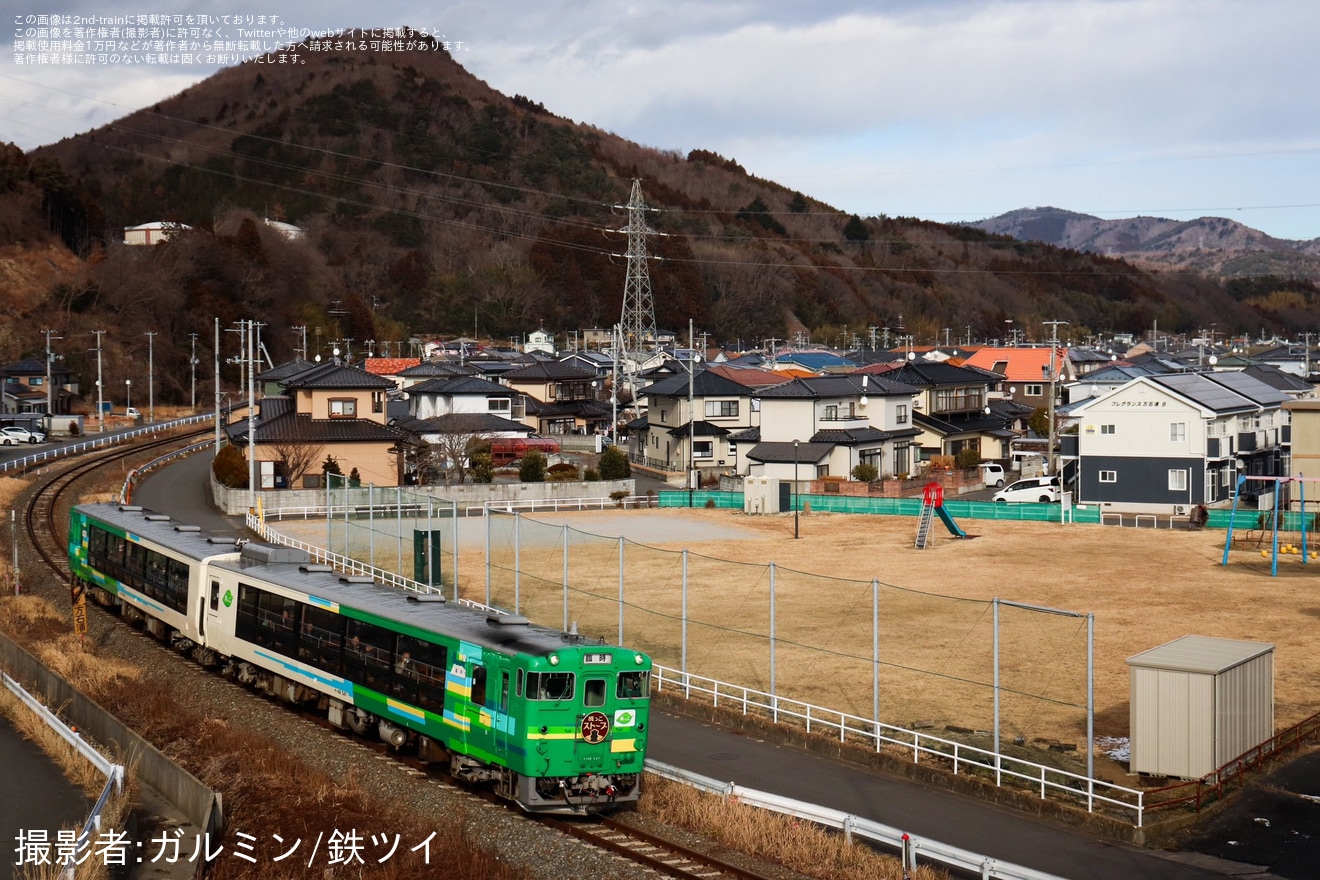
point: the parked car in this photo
(992, 474)
(132, 413)
(1043, 489)
(13, 434)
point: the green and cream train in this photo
(556, 724)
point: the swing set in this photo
(1274, 519)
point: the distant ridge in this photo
(1214, 245)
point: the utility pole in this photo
(252, 420)
(1054, 348)
(192, 366)
(100, 405)
(301, 330)
(50, 395)
(215, 354)
(692, 417)
(151, 376)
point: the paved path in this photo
(36, 796)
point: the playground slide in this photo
(949, 523)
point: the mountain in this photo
(432, 204)
(1213, 245)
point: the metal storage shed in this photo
(1199, 702)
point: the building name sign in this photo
(1139, 403)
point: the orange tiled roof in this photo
(389, 366)
(1020, 364)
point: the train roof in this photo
(184, 540)
(510, 634)
(295, 570)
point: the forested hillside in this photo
(435, 205)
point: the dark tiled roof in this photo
(1276, 378)
(929, 375)
(854, 436)
(813, 387)
(704, 384)
(433, 368)
(975, 423)
(285, 370)
(784, 453)
(463, 423)
(462, 385)
(700, 429)
(337, 376)
(25, 367)
(290, 427)
(548, 370)
(751, 435)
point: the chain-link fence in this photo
(395, 528)
(868, 648)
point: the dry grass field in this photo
(1144, 587)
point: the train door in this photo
(479, 726)
(209, 626)
(501, 720)
(593, 723)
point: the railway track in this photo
(42, 517)
(660, 855)
(45, 519)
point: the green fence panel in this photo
(1027, 512)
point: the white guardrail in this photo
(114, 773)
(35, 458)
(909, 846)
(1047, 780)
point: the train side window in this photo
(479, 685)
(518, 684)
(633, 685)
(593, 692)
(504, 693)
(215, 595)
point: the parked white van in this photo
(1040, 489)
(992, 474)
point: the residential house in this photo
(597, 362)
(1167, 442)
(270, 383)
(329, 410)
(679, 429)
(470, 395)
(24, 388)
(832, 424)
(1027, 372)
(539, 340)
(953, 409)
(561, 398)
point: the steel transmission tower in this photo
(637, 324)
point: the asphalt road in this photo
(36, 797)
(924, 811)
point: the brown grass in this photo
(796, 844)
(1144, 587)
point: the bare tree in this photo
(460, 435)
(297, 458)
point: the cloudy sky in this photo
(941, 109)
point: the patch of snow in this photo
(1117, 747)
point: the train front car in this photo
(585, 710)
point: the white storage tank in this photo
(1199, 702)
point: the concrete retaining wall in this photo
(235, 501)
(199, 804)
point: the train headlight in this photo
(554, 660)
(639, 658)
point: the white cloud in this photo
(942, 106)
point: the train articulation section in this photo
(553, 723)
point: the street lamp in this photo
(796, 532)
(128, 394)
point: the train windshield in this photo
(550, 685)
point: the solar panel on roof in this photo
(1201, 390)
(1250, 387)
